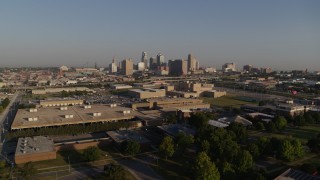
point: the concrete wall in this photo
(80, 146)
(20, 159)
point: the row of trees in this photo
(74, 93)
(4, 103)
(169, 147)
(70, 129)
(314, 144)
(283, 149)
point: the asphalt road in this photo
(137, 166)
(6, 119)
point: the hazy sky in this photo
(281, 34)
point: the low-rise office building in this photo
(60, 102)
(214, 93)
(59, 90)
(147, 93)
(31, 149)
(120, 86)
(71, 115)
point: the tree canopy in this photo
(166, 148)
(204, 169)
(92, 153)
(130, 147)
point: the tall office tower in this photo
(127, 67)
(160, 59)
(192, 63)
(141, 66)
(153, 63)
(247, 68)
(144, 59)
(113, 67)
(197, 65)
(178, 67)
(227, 67)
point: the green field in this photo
(303, 133)
(227, 101)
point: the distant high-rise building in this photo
(266, 70)
(227, 67)
(153, 63)
(144, 59)
(160, 59)
(113, 67)
(141, 66)
(192, 63)
(178, 67)
(127, 67)
(247, 68)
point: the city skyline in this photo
(282, 35)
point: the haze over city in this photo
(282, 35)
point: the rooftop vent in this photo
(32, 119)
(113, 105)
(96, 114)
(87, 107)
(63, 108)
(33, 110)
(68, 116)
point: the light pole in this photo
(69, 164)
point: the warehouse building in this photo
(147, 93)
(71, 115)
(31, 149)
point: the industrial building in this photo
(59, 90)
(37, 148)
(71, 115)
(60, 102)
(147, 93)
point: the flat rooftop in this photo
(36, 144)
(175, 129)
(176, 100)
(53, 116)
(217, 124)
(123, 135)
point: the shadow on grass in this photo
(72, 156)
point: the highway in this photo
(6, 119)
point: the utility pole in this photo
(69, 164)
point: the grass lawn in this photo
(227, 101)
(74, 157)
(303, 133)
(174, 168)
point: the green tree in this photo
(204, 169)
(239, 130)
(92, 153)
(199, 120)
(286, 151)
(184, 141)
(280, 123)
(259, 126)
(113, 172)
(27, 171)
(166, 148)
(254, 150)
(314, 144)
(4, 170)
(271, 127)
(228, 171)
(205, 146)
(297, 148)
(244, 161)
(299, 120)
(130, 147)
